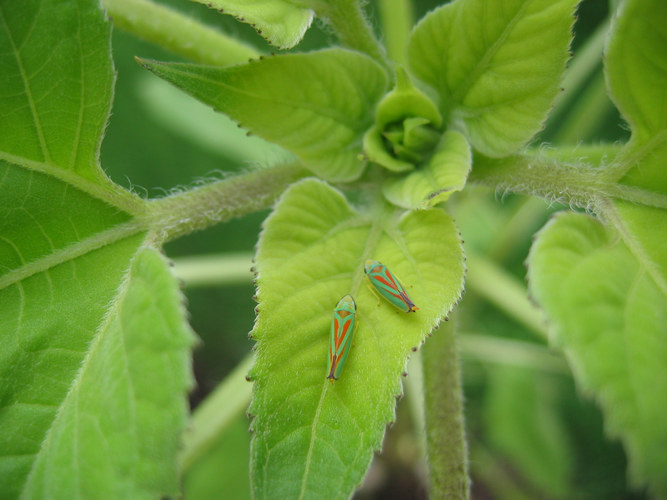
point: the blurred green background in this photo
(531, 433)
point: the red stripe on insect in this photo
(384, 282)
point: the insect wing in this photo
(342, 330)
(388, 285)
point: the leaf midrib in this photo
(338, 118)
(375, 232)
(76, 381)
(70, 252)
(108, 192)
(482, 64)
(635, 247)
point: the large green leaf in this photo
(88, 408)
(117, 432)
(637, 72)
(313, 439)
(609, 316)
(317, 105)
(55, 87)
(636, 68)
(495, 65)
(281, 22)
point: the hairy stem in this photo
(348, 21)
(178, 33)
(199, 208)
(397, 18)
(445, 433)
(562, 176)
(215, 413)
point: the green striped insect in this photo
(388, 285)
(342, 330)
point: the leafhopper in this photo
(388, 286)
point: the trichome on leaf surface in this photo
(375, 150)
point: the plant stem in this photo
(517, 353)
(348, 21)
(397, 18)
(503, 290)
(219, 269)
(215, 413)
(204, 206)
(178, 33)
(445, 433)
(550, 177)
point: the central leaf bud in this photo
(407, 127)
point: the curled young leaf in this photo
(406, 127)
(433, 182)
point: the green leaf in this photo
(636, 68)
(609, 316)
(313, 439)
(205, 128)
(495, 65)
(317, 105)
(88, 408)
(280, 22)
(56, 89)
(137, 361)
(636, 71)
(445, 173)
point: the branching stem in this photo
(568, 178)
(348, 21)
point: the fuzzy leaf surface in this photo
(496, 66)
(609, 316)
(280, 22)
(55, 90)
(636, 73)
(433, 182)
(76, 415)
(117, 431)
(317, 105)
(313, 439)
